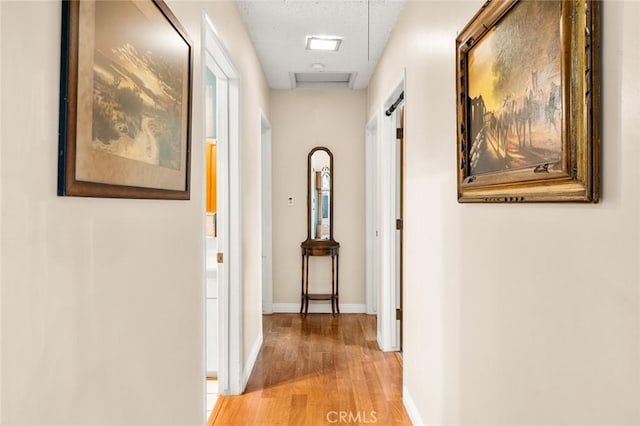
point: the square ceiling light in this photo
(323, 43)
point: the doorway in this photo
(267, 259)
(394, 135)
(371, 182)
(211, 236)
(223, 317)
(398, 115)
(385, 172)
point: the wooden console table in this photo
(320, 248)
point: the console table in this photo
(320, 248)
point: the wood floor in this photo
(318, 370)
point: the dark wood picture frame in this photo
(521, 135)
(125, 101)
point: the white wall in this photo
(102, 300)
(302, 120)
(516, 314)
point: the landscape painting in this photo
(129, 127)
(137, 86)
(515, 108)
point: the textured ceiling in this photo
(278, 29)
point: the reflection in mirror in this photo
(320, 191)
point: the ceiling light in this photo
(317, 66)
(323, 43)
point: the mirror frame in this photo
(320, 242)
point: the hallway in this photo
(314, 370)
(517, 314)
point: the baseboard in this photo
(251, 361)
(267, 309)
(320, 308)
(410, 406)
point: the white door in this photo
(399, 208)
(389, 239)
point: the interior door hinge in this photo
(400, 133)
(399, 224)
(220, 257)
(398, 314)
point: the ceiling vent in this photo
(323, 80)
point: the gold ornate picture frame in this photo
(528, 98)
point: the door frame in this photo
(384, 211)
(371, 220)
(267, 222)
(230, 307)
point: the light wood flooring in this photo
(318, 370)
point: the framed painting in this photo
(528, 98)
(125, 102)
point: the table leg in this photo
(306, 287)
(302, 287)
(337, 278)
(333, 285)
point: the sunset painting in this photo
(515, 102)
(138, 75)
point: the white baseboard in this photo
(267, 308)
(410, 406)
(320, 308)
(251, 361)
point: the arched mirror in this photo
(320, 240)
(320, 195)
